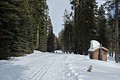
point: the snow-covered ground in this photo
(58, 66)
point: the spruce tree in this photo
(110, 33)
(43, 26)
(56, 44)
(39, 10)
(51, 37)
(9, 22)
(23, 39)
(102, 27)
(84, 24)
(61, 40)
(23, 27)
(67, 34)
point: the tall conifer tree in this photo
(102, 27)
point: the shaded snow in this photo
(58, 66)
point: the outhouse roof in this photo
(95, 45)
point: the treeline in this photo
(89, 22)
(25, 25)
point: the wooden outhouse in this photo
(97, 52)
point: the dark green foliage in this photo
(50, 42)
(66, 34)
(77, 32)
(102, 27)
(84, 23)
(9, 23)
(110, 31)
(40, 14)
(19, 22)
(56, 43)
(50, 36)
(23, 35)
(60, 39)
(112, 7)
(67, 37)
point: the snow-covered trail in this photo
(37, 66)
(52, 66)
(33, 67)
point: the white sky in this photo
(56, 11)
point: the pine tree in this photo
(23, 27)
(61, 40)
(51, 37)
(117, 42)
(112, 6)
(8, 23)
(23, 39)
(67, 33)
(39, 10)
(43, 26)
(110, 34)
(84, 24)
(56, 43)
(102, 27)
(110, 26)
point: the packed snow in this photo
(58, 66)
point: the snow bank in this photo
(101, 70)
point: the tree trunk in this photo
(116, 33)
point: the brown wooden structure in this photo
(99, 53)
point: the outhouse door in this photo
(100, 54)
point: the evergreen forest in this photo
(25, 26)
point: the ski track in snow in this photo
(38, 71)
(34, 70)
(51, 66)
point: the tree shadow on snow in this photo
(10, 71)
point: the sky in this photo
(56, 11)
